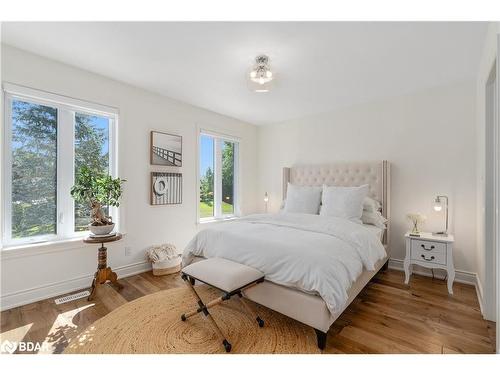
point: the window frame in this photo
(66, 109)
(219, 139)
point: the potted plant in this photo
(98, 190)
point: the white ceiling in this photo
(319, 66)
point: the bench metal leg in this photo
(204, 308)
(250, 310)
(200, 309)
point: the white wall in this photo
(38, 272)
(485, 250)
(429, 137)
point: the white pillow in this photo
(302, 199)
(374, 218)
(371, 205)
(344, 202)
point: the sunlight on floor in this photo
(16, 334)
(61, 331)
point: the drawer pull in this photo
(428, 249)
(427, 259)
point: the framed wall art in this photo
(166, 188)
(166, 149)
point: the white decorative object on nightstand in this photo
(430, 251)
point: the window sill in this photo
(51, 246)
(217, 220)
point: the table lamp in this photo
(440, 203)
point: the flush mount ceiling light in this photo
(260, 76)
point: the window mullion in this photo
(65, 172)
(218, 178)
(114, 212)
(236, 179)
(7, 172)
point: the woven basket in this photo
(167, 267)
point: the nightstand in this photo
(430, 251)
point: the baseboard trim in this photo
(39, 293)
(479, 292)
(464, 277)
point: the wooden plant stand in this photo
(103, 273)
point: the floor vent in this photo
(72, 297)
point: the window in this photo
(92, 150)
(47, 139)
(207, 199)
(218, 166)
(34, 169)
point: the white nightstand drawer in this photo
(430, 253)
(429, 247)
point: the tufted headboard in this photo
(375, 174)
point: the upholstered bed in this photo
(310, 308)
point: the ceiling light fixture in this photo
(260, 77)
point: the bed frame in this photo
(308, 308)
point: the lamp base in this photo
(442, 234)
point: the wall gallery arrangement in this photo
(166, 150)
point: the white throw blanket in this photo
(312, 253)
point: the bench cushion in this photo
(223, 274)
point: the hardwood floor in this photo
(386, 317)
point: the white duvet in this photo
(313, 253)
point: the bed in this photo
(318, 309)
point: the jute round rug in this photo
(152, 324)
